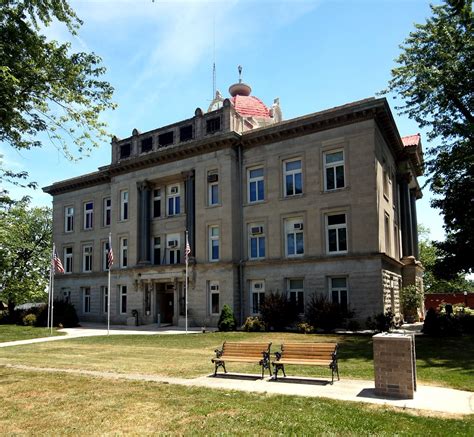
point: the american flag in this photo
(57, 264)
(187, 251)
(110, 254)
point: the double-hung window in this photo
(334, 170)
(123, 252)
(296, 293)
(86, 300)
(156, 250)
(294, 237)
(105, 256)
(257, 294)
(293, 177)
(107, 211)
(256, 241)
(157, 202)
(336, 229)
(68, 260)
(123, 299)
(68, 219)
(104, 291)
(87, 258)
(124, 205)
(256, 185)
(88, 215)
(174, 200)
(174, 248)
(214, 308)
(213, 243)
(339, 292)
(213, 187)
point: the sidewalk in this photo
(428, 398)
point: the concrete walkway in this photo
(433, 400)
(97, 329)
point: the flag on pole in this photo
(187, 251)
(110, 254)
(57, 264)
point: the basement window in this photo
(166, 139)
(213, 125)
(186, 133)
(147, 144)
(125, 150)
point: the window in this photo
(156, 202)
(147, 299)
(336, 233)
(256, 187)
(334, 170)
(123, 299)
(104, 291)
(125, 150)
(256, 241)
(86, 300)
(123, 252)
(397, 241)
(66, 292)
(87, 258)
(68, 260)
(387, 229)
(105, 256)
(214, 297)
(166, 139)
(69, 219)
(88, 215)
(213, 125)
(174, 250)
(124, 205)
(186, 133)
(296, 293)
(107, 211)
(338, 291)
(257, 291)
(213, 187)
(213, 243)
(147, 144)
(173, 200)
(294, 240)
(157, 251)
(292, 171)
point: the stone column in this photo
(414, 223)
(189, 192)
(406, 220)
(143, 223)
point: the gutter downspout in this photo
(241, 248)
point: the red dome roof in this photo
(250, 106)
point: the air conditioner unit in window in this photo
(298, 226)
(172, 244)
(256, 230)
(174, 190)
(258, 286)
(213, 177)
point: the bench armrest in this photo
(219, 352)
(278, 356)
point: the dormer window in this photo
(125, 150)
(186, 133)
(147, 145)
(165, 139)
(213, 125)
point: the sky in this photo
(312, 54)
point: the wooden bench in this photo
(306, 354)
(258, 353)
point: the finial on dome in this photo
(240, 73)
(240, 88)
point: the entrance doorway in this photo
(164, 303)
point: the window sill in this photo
(256, 202)
(213, 206)
(336, 190)
(294, 196)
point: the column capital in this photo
(143, 185)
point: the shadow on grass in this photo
(297, 380)
(239, 376)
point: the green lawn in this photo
(15, 332)
(445, 362)
(60, 404)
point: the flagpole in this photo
(108, 286)
(186, 285)
(49, 289)
(52, 288)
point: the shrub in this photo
(438, 324)
(64, 314)
(278, 312)
(383, 322)
(253, 324)
(29, 320)
(305, 328)
(227, 320)
(325, 315)
(410, 299)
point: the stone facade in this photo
(309, 205)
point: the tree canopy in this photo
(44, 86)
(25, 252)
(435, 79)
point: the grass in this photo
(60, 404)
(15, 332)
(442, 362)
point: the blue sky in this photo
(312, 54)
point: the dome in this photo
(249, 106)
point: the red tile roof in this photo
(250, 106)
(411, 140)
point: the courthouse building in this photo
(324, 203)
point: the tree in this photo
(435, 80)
(44, 87)
(25, 252)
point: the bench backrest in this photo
(308, 351)
(243, 349)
